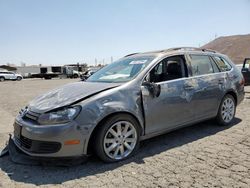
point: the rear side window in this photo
(201, 64)
(222, 64)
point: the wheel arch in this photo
(233, 93)
(219, 117)
(94, 132)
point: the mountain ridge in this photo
(236, 47)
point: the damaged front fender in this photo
(117, 100)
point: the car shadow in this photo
(42, 175)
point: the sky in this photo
(57, 32)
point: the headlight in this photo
(59, 117)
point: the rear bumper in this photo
(240, 96)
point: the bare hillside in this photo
(237, 47)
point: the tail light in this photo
(242, 81)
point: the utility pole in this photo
(95, 62)
(111, 59)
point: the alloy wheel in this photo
(120, 140)
(228, 110)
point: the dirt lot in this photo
(203, 155)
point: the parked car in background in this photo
(88, 73)
(246, 71)
(135, 98)
(71, 72)
(7, 75)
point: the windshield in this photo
(122, 70)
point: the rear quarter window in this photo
(222, 64)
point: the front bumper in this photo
(48, 140)
(19, 157)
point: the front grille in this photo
(36, 146)
(33, 116)
(25, 142)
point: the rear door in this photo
(173, 107)
(208, 85)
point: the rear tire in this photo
(19, 78)
(47, 77)
(2, 79)
(117, 139)
(226, 111)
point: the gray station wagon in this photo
(137, 97)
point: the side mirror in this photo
(154, 89)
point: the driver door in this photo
(173, 107)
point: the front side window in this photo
(201, 64)
(222, 64)
(122, 70)
(168, 69)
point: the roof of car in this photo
(4, 71)
(176, 50)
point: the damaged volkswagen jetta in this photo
(135, 98)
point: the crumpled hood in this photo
(68, 94)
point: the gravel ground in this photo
(203, 155)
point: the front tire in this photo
(227, 110)
(117, 139)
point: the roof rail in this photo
(183, 48)
(189, 48)
(130, 54)
(208, 50)
(177, 48)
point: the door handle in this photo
(188, 87)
